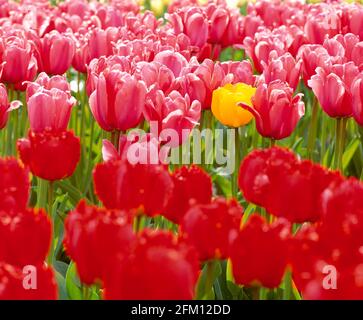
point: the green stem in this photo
(313, 128)
(287, 285)
(237, 160)
(209, 277)
(341, 124)
(50, 197)
(50, 213)
(272, 142)
(42, 193)
(115, 137)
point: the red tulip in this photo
(192, 186)
(14, 185)
(93, 238)
(121, 185)
(172, 270)
(276, 110)
(50, 61)
(304, 184)
(49, 102)
(342, 226)
(50, 155)
(357, 99)
(24, 237)
(12, 281)
(266, 174)
(5, 106)
(209, 227)
(332, 88)
(118, 100)
(259, 252)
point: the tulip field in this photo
(179, 150)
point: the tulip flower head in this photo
(50, 155)
(49, 103)
(276, 110)
(6, 107)
(225, 102)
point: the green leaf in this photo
(73, 284)
(209, 274)
(349, 152)
(61, 283)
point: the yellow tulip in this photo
(225, 104)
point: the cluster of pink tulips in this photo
(89, 87)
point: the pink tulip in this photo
(234, 31)
(155, 74)
(219, 21)
(313, 56)
(323, 25)
(357, 100)
(136, 149)
(335, 50)
(55, 53)
(298, 39)
(356, 22)
(193, 22)
(212, 74)
(283, 68)
(348, 41)
(332, 88)
(251, 23)
(97, 66)
(20, 63)
(118, 100)
(196, 27)
(357, 55)
(259, 48)
(5, 106)
(101, 42)
(173, 60)
(49, 102)
(276, 110)
(82, 56)
(238, 71)
(173, 112)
